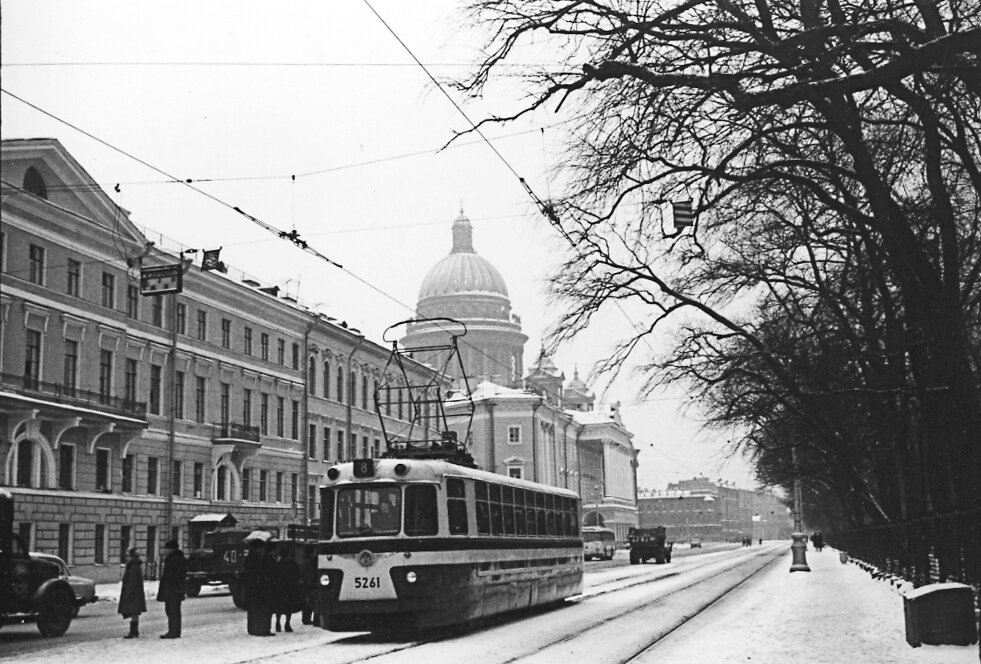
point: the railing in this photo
(72, 396)
(234, 431)
(935, 549)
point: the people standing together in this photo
(275, 585)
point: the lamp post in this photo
(799, 547)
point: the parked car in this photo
(84, 588)
(696, 543)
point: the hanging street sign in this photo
(161, 280)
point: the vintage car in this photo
(83, 588)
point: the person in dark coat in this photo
(132, 599)
(288, 592)
(310, 583)
(259, 588)
(171, 591)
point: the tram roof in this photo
(430, 470)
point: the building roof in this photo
(463, 271)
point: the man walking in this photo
(171, 590)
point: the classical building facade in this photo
(127, 419)
(715, 512)
(532, 425)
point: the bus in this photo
(598, 542)
(412, 544)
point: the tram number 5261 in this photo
(363, 582)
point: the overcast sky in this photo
(242, 96)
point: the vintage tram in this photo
(421, 543)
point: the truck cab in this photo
(31, 589)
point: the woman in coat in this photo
(286, 600)
(132, 600)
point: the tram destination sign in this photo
(161, 280)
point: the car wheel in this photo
(56, 613)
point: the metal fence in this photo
(934, 549)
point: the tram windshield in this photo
(369, 511)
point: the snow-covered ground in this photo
(834, 614)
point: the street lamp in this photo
(799, 547)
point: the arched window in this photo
(34, 183)
(312, 377)
(25, 463)
(340, 384)
(400, 404)
(326, 380)
(364, 392)
(221, 483)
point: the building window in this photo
(340, 445)
(157, 310)
(263, 477)
(200, 394)
(152, 481)
(248, 340)
(128, 473)
(378, 447)
(125, 541)
(226, 333)
(132, 301)
(295, 420)
(65, 542)
(294, 488)
(221, 479)
(176, 480)
(66, 466)
(105, 374)
(281, 352)
(225, 402)
(312, 441)
(515, 472)
(100, 544)
(202, 325)
(364, 392)
(312, 376)
(264, 414)
(179, 395)
(295, 353)
(198, 480)
(156, 381)
(71, 367)
(326, 443)
(365, 449)
(129, 380)
(32, 359)
(151, 542)
(340, 384)
(26, 530)
(279, 487)
(102, 474)
(181, 318)
(35, 264)
(74, 283)
(264, 346)
(326, 380)
(388, 400)
(108, 290)
(280, 416)
(312, 501)
(247, 407)
(34, 183)
(514, 435)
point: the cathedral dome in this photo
(463, 271)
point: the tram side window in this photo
(420, 510)
(496, 511)
(540, 514)
(456, 506)
(519, 512)
(326, 513)
(507, 501)
(483, 508)
(531, 520)
(550, 515)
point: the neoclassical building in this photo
(532, 425)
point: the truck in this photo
(647, 543)
(32, 589)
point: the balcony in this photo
(57, 393)
(233, 433)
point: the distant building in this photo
(266, 393)
(534, 426)
(703, 509)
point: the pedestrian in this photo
(132, 599)
(308, 579)
(258, 584)
(288, 593)
(171, 590)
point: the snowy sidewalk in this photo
(834, 614)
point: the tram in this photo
(411, 544)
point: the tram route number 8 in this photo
(363, 582)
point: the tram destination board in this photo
(161, 280)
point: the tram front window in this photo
(369, 511)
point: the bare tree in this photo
(829, 291)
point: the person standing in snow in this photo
(132, 599)
(171, 591)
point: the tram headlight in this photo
(410, 577)
(325, 580)
(401, 469)
(333, 473)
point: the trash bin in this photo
(940, 614)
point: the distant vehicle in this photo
(696, 543)
(31, 590)
(598, 542)
(84, 588)
(647, 543)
